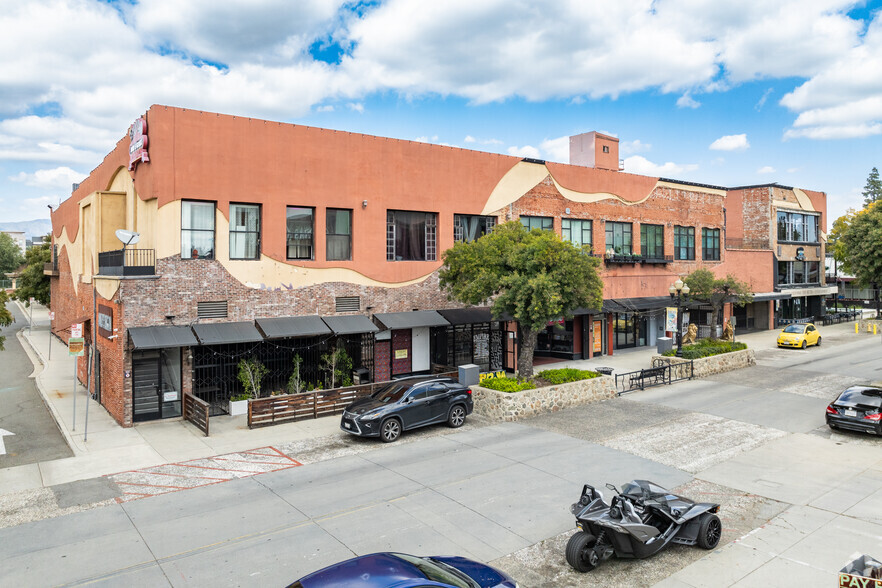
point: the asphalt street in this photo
(35, 436)
(797, 500)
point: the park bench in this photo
(655, 374)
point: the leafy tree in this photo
(33, 282)
(295, 382)
(251, 373)
(840, 225)
(338, 366)
(10, 255)
(859, 243)
(873, 190)
(532, 276)
(713, 291)
(5, 316)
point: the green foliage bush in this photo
(707, 348)
(507, 384)
(564, 375)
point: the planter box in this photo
(715, 364)
(512, 406)
(238, 407)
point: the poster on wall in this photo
(401, 354)
(105, 321)
(598, 337)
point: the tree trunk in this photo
(713, 329)
(525, 352)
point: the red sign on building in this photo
(138, 142)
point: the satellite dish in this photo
(127, 237)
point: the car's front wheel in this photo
(580, 552)
(819, 342)
(390, 430)
(456, 417)
(710, 531)
(803, 346)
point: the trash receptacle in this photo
(664, 344)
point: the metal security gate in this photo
(156, 384)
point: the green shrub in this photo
(564, 375)
(707, 348)
(507, 384)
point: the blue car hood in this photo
(484, 575)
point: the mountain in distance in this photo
(32, 228)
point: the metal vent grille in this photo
(347, 304)
(212, 309)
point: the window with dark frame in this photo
(471, 227)
(197, 229)
(710, 244)
(652, 241)
(544, 223)
(338, 245)
(576, 231)
(796, 227)
(300, 224)
(684, 242)
(411, 236)
(619, 238)
(244, 231)
(798, 273)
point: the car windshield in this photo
(643, 489)
(865, 396)
(795, 329)
(391, 392)
(438, 572)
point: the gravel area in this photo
(544, 565)
(27, 506)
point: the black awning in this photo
(410, 320)
(467, 316)
(638, 304)
(766, 296)
(161, 336)
(350, 324)
(582, 311)
(220, 333)
(293, 326)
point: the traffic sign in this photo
(76, 330)
(51, 315)
(76, 346)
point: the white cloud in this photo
(635, 146)
(525, 151)
(637, 164)
(356, 106)
(762, 101)
(730, 143)
(556, 149)
(325, 108)
(426, 139)
(766, 169)
(687, 101)
(59, 177)
(471, 139)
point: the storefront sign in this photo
(105, 321)
(170, 396)
(76, 346)
(138, 143)
(76, 330)
(490, 375)
(401, 354)
(670, 319)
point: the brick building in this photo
(270, 240)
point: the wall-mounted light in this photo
(364, 203)
(568, 211)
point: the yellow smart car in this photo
(799, 335)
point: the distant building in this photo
(19, 238)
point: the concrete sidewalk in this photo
(102, 447)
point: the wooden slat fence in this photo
(196, 411)
(288, 408)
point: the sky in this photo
(721, 92)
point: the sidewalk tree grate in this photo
(172, 477)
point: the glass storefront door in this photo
(156, 384)
(629, 330)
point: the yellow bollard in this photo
(874, 328)
(856, 328)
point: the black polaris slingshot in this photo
(638, 522)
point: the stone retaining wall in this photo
(512, 406)
(715, 364)
(866, 325)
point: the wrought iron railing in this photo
(624, 258)
(658, 259)
(127, 262)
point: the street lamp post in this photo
(679, 289)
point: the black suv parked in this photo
(408, 404)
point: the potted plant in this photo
(251, 372)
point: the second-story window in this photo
(244, 231)
(652, 241)
(545, 223)
(411, 236)
(470, 227)
(339, 234)
(684, 242)
(197, 230)
(577, 232)
(618, 237)
(300, 232)
(710, 244)
(797, 227)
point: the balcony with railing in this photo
(127, 262)
(658, 259)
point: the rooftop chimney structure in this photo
(595, 150)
